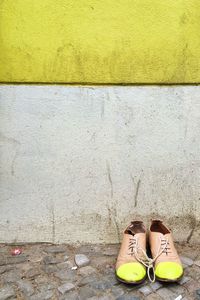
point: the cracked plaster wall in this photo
(78, 163)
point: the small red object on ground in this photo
(16, 251)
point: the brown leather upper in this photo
(134, 234)
(158, 235)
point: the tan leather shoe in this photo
(129, 269)
(167, 264)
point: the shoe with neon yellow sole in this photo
(128, 268)
(167, 264)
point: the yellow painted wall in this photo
(100, 41)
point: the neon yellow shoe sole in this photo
(168, 271)
(131, 273)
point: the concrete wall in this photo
(78, 163)
(100, 41)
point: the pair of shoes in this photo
(133, 264)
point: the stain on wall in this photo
(125, 41)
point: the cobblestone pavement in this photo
(44, 271)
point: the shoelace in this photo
(148, 261)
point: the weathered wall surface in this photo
(78, 163)
(92, 41)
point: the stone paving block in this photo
(166, 294)
(46, 287)
(6, 293)
(192, 285)
(3, 250)
(3, 269)
(184, 279)
(66, 287)
(106, 297)
(65, 265)
(32, 273)
(35, 258)
(66, 257)
(26, 287)
(177, 289)
(186, 261)
(145, 290)
(117, 291)
(42, 279)
(6, 268)
(10, 260)
(42, 296)
(101, 284)
(50, 260)
(128, 297)
(86, 271)
(11, 276)
(85, 292)
(81, 260)
(49, 269)
(111, 278)
(65, 275)
(197, 294)
(197, 263)
(103, 262)
(72, 295)
(156, 285)
(87, 280)
(55, 249)
(194, 272)
(184, 266)
(110, 251)
(153, 296)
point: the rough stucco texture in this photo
(78, 163)
(92, 41)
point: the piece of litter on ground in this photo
(16, 251)
(178, 298)
(74, 268)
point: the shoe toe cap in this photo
(131, 272)
(169, 270)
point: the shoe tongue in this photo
(162, 235)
